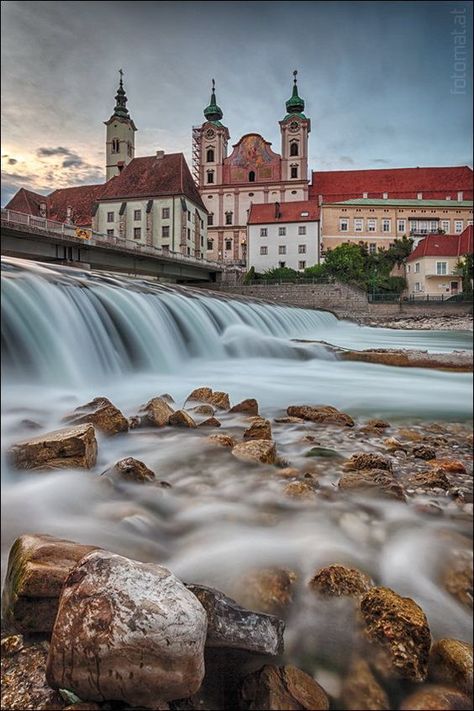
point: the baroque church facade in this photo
(232, 180)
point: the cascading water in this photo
(69, 336)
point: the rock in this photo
(210, 422)
(393, 444)
(399, 626)
(259, 429)
(129, 469)
(361, 690)
(299, 490)
(256, 450)
(247, 407)
(288, 472)
(422, 451)
(220, 400)
(378, 424)
(67, 448)
(338, 580)
(281, 688)
(224, 440)
(167, 398)
(268, 590)
(323, 452)
(376, 482)
(451, 664)
(101, 413)
(289, 420)
(451, 466)
(324, 414)
(156, 412)
(24, 683)
(12, 645)
(206, 410)
(85, 706)
(457, 576)
(427, 480)
(368, 460)
(200, 395)
(460, 361)
(232, 626)
(134, 422)
(212, 397)
(181, 418)
(126, 631)
(37, 568)
(436, 698)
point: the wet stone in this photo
(281, 688)
(210, 422)
(181, 418)
(457, 576)
(259, 429)
(324, 414)
(268, 590)
(436, 698)
(129, 469)
(339, 580)
(224, 440)
(375, 482)
(368, 460)
(247, 407)
(256, 450)
(67, 448)
(436, 479)
(101, 413)
(24, 685)
(422, 451)
(156, 412)
(361, 689)
(300, 490)
(451, 664)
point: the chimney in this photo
(460, 197)
(320, 199)
(42, 209)
(160, 154)
(69, 214)
(277, 210)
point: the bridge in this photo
(31, 237)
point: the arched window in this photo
(228, 218)
(115, 145)
(293, 149)
(252, 176)
(210, 155)
(293, 171)
(210, 176)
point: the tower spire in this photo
(295, 105)
(213, 112)
(121, 100)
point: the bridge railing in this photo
(62, 229)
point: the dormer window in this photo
(210, 155)
(304, 214)
(252, 176)
(294, 148)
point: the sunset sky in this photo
(377, 78)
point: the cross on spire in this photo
(295, 73)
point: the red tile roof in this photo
(151, 177)
(433, 183)
(261, 214)
(81, 199)
(444, 245)
(26, 201)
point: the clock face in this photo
(210, 133)
(294, 126)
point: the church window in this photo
(189, 233)
(210, 176)
(165, 231)
(115, 145)
(110, 217)
(252, 176)
(228, 218)
(293, 148)
(210, 244)
(210, 155)
(294, 171)
(165, 213)
(228, 244)
(210, 218)
(137, 214)
(263, 250)
(137, 233)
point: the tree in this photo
(281, 273)
(346, 262)
(465, 268)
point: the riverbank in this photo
(434, 322)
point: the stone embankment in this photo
(87, 628)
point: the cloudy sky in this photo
(377, 78)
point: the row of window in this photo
(282, 249)
(418, 226)
(137, 215)
(165, 233)
(282, 231)
(251, 176)
(441, 268)
(210, 155)
(301, 263)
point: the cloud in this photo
(381, 161)
(59, 151)
(346, 159)
(74, 161)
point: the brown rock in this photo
(361, 690)
(399, 627)
(259, 429)
(411, 435)
(181, 418)
(130, 469)
(451, 664)
(299, 490)
(200, 395)
(457, 576)
(288, 472)
(206, 410)
(224, 440)
(220, 400)
(85, 706)
(167, 398)
(37, 568)
(436, 479)
(156, 412)
(248, 407)
(267, 590)
(368, 460)
(338, 580)
(378, 424)
(256, 450)
(376, 482)
(12, 645)
(324, 414)
(281, 688)
(68, 448)
(422, 451)
(217, 398)
(436, 698)
(289, 420)
(210, 422)
(126, 631)
(101, 413)
(24, 684)
(394, 444)
(451, 466)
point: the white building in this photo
(283, 235)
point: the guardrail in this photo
(64, 231)
(302, 280)
(422, 298)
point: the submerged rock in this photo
(451, 466)
(376, 482)
(398, 626)
(256, 450)
(361, 689)
(129, 469)
(126, 631)
(247, 407)
(210, 422)
(422, 451)
(37, 568)
(368, 460)
(325, 414)
(222, 439)
(156, 412)
(457, 576)
(451, 664)
(205, 410)
(181, 418)
(339, 580)
(299, 490)
(259, 429)
(281, 688)
(101, 413)
(268, 590)
(67, 448)
(217, 398)
(436, 479)
(24, 684)
(232, 626)
(436, 698)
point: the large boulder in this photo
(256, 450)
(398, 626)
(324, 414)
(281, 689)
(260, 428)
(129, 469)
(246, 407)
(37, 568)
(101, 413)
(156, 412)
(232, 626)
(451, 664)
(67, 448)
(339, 580)
(24, 684)
(126, 631)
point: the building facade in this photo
(252, 173)
(283, 235)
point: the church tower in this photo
(294, 128)
(120, 141)
(213, 138)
